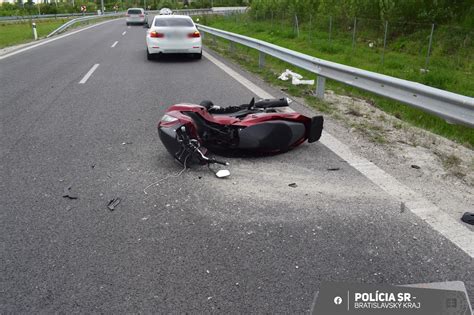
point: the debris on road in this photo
(296, 79)
(68, 194)
(402, 207)
(415, 166)
(113, 203)
(333, 168)
(124, 143)
(293, 185)
(468, 217)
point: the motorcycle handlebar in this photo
(282, 102)
(217, 162)
(204, 158)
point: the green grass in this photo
(15, 33)
(450, 73)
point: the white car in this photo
(136, 16)
(173, 34)
(166, 11)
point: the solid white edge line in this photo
(51, 40)
(89, 73)
(454, 231)
(124, 32)
(114, 44)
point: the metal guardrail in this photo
(42, 16)
(216, 10)
(68, 24)
(452, 107)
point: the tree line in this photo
(459, 12)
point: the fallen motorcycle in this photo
(189, 131)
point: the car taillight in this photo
(142, 15)
(156, 35)
(194, 35)
(127, 15)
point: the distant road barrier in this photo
(70, 23)
(41, 16)
(226, 10)
(453, 108)
(215, 10)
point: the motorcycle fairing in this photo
(271, 135)
(271, 131)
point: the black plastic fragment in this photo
(334, 169)
(68, 194)
(293, 185)
(468, 217)
(415, 167)
(113, 203)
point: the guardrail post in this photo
(354, 33)
(330, 29)
(297, 27)
(384, 42)
(429, 47)
(231, 47)
(320, 83)
(261, 59)
(35, 34)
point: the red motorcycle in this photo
(188, 131)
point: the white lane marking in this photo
(124, 32)
(454, 231)
(89, 73)
(249, 85)
(51, 40)
(114, 44)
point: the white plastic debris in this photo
(296, 79)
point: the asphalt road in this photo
(195, 243)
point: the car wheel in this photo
(128, 24)
(198, 56)
(148, 55)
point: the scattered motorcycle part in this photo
(113, 203)
(68, 194)
(223, 173)
(468, 217)
(169, 176)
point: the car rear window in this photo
(134, 11)
(171, 22)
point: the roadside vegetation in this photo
(448, 65)
(21, 8)
(15, 33)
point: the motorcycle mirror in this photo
(222, 173)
